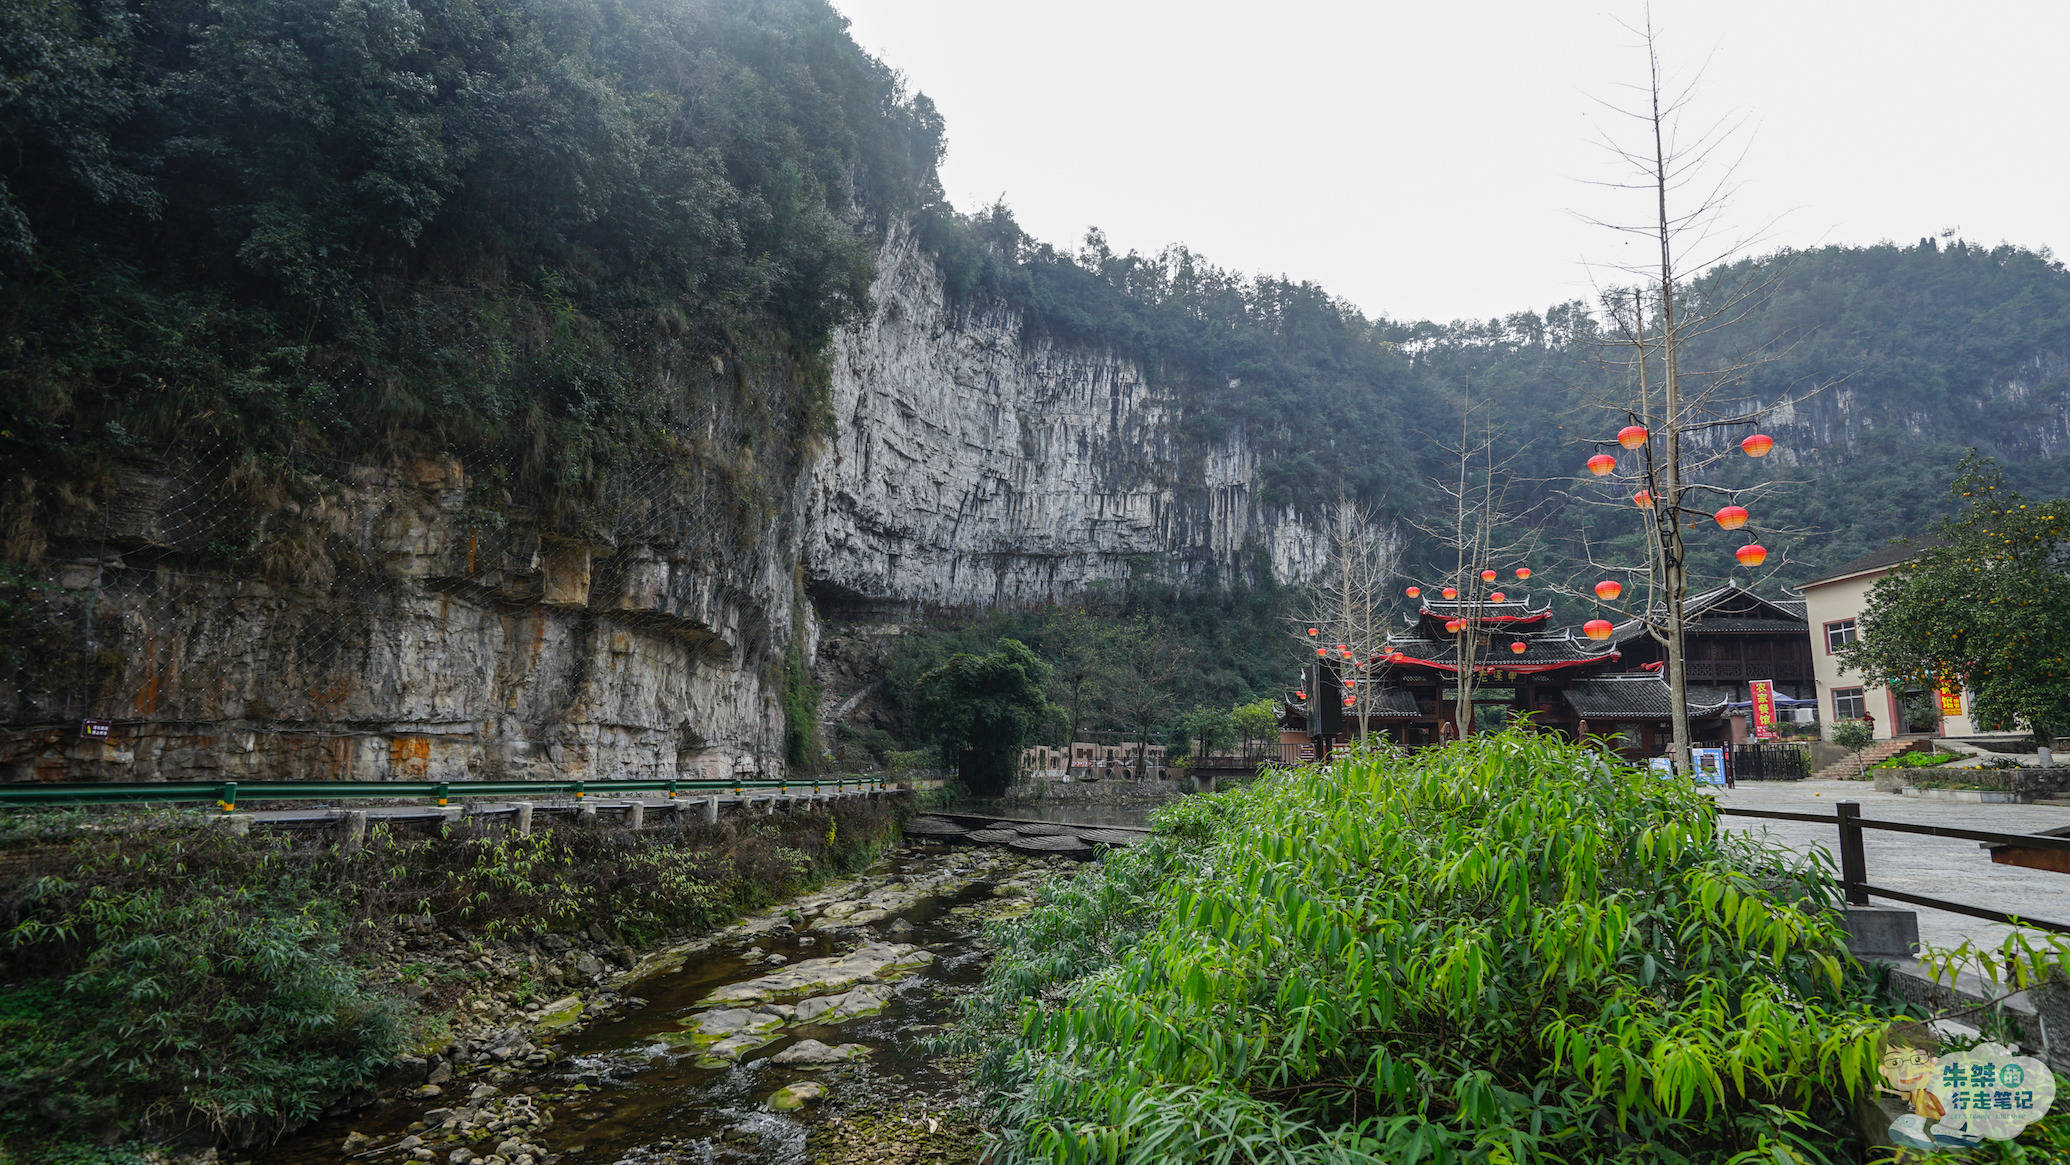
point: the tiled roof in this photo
(1889, 556)
(1391, 703)
(1630, 696)
(1540, 651)
(1774, 616)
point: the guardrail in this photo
(225, 794)
(1854, 863)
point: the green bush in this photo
(179, 977)
(1916, 760)
(1506, 950)
(224, 1006)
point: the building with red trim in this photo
(1562, 681)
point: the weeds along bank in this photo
(181, 984)
(1504, 951)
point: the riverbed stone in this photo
(866, 999)
(796, 1096)
(562, 1013)
(732, 1048)
(814, 1054)
(720, 1023)
(881, 962)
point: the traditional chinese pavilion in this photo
(1523, 666)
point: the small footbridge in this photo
(1035, 837)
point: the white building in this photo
(1832, 608)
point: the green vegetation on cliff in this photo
(306, 230)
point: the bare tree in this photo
(1679, 418)
(1482, 532)
(1345, 607)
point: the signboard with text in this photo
(1763, 693)
(1951, 702)
(94, 729)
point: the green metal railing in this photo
(225, 794)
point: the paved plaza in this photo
(1939, 867)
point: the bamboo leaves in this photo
(1494, 952)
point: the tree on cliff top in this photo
(988, 706)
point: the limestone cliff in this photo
(975, 463)
(399, 621)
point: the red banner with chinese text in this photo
(1951, 702)
(1763, 692)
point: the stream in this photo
(629, 1089)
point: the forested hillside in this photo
(1903, 357)
(390, 228)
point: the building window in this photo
(1847, 704)
(1839, 634)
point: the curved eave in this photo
(1482, 620)
(1520, 667)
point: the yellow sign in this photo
(1951, 702)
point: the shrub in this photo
(179, 977)
(1915, 760)
(1505, 950)
(221, 1006)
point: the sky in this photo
(1439, 161)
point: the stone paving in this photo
(1959, 871)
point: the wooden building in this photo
(1554, 679)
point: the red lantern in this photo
(1597, 629)
(1732, 517)
(1349, 682)
(1523, 572)
(1609, 589)
(1643, 499)
(1601, 464)
(1347, 701)
(1518, 647)
(1632, 436)
(1752, 554)
(1498, 597)
(1299, 695)
(1311, 632)
(1321, 652)
(1487, 576)
(1450, 592)
(1757, 445)
(1454, 625)
(1412, 592)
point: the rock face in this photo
(975, 464)
(428, 646)
(407, 621)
